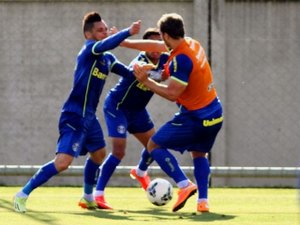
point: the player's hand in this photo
(164, 75)
(135, 27)
(113, 30)
(140, 71)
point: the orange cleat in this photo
(144, 181)
(85, 204)
(183, 195)
(102, 204)
(203, 206)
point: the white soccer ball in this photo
(159, 191)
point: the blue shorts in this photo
(190, 132)
(79, 135)
(119, 121)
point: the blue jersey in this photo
(129, 93)
(92, 68)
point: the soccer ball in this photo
(159, 191)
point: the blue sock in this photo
(90, 171)
(40, 177)
(107, 169)
(168, 164)
(201, 173)
(145, 160)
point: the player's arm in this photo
(178, 80)
(145, 45)
(171, 91)
(114, 40)
(118, 67)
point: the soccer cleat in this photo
(101, 203)
(183, 195)
(203, 206)
(85, 204)
(20, 204)
(144, 181)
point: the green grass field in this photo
(229, 206)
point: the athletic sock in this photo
(168, 164)
(145, 160)
(107, 169)
(88, 197)
(40, 177)
(183, 184)
(201, 173)
(90, 171)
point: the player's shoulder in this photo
(142, 57)
(164, 56)
(183, 59)
(109, 55)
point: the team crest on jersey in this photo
(75, 147)
(121, 129)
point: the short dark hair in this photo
(89, 19)
(172, 24)
(149, 32)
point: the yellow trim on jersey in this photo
(174, 64)
(180, 81)
(87, 89)
(93, 48)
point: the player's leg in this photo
(117, 131)
(91, 170)
(201, 173)
(142, 127)
(170, 166)
(107, 169)
(206, 135)
(48, 170)
(70, 132)
(140, 171)
(95, 145)
(176, 134)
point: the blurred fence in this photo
(224, 171)
(253, 47)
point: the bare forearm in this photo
(145, 45)
(160, 89)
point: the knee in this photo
(62, 164)
(62, 161)
(198, 154)
(98, 156)
(119, 153)
(151, 146)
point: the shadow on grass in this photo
(39, 216)
(151, 214)
(154, 214)
(161, 214)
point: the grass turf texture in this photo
(229, 206)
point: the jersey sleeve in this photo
(110, 42)
(117, 67)
(180, 68)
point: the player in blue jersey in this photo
(79, 128)
(125, 111)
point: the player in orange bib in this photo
(196, 125)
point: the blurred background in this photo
(253, 47)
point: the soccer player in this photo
(125, 110)
(79, 128)
(195, 127)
